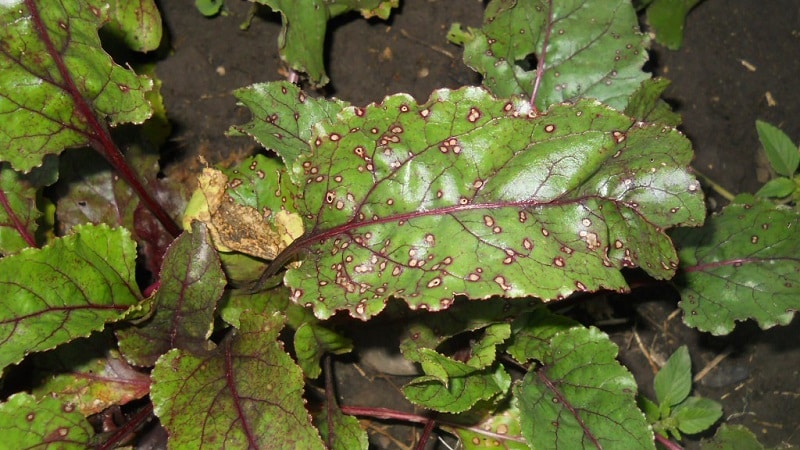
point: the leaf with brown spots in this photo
(743, 264)
(558, 51)
(46, 423)
(468, 194)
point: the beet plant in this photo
(475, 210)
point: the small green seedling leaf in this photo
(468, 194)
(312, 341)
(673, 382)
(783, 155)
(696, 414)
(777, 188)
(732, 437)
(137, 24)
(18, 211)
(565, 402)
(565, 51)
(743, 264)
(65, 290)
(45, 423)
(55, 79)
(251, 393)
(209, 8)
(667, 19)
(191, 284)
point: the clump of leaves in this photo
(784, 158)
(481, 203)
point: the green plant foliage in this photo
(732, 437)
(339, 431)
(44, 110)
(66, 290)
(191, 284)
(673, 382)
(302, 38)
(667, 19)
(18, 208)
(567, 402)
(645, 103)
(449, 197)
(46, 423)
(252, 393)
(561, 50)
(499, 431)
(137, 24)
(312, 341)
(743, 264)
(209, 7)
(783, 155)
(696, 414)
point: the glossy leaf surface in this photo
(55, 79)
(467, 194)
(251, 393)
(66, 290)
(191, 284)
(566, 403)
(47, 423)
(743, 264)
(577, 49)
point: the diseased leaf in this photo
(66, 290)
(235, 302)
(312, 341)
(89, 374)
(531, 334)
(583, 48)
(302, 38)
(251, 393)
(783, 155)
(18, 210)
(566, 403)
(467, 194)
(55, 79)
(283, 117)
(645, 103)
(697, 414)
(347, 432)
(673, 382)
(500, 431)
(732, 437)
(667, 19)
(743, 264)
(191, 283)
(452, 386)
(46, 423)
(137, 24)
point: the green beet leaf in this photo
(191, 284)
(251, 393)
(531, 334)
(499, 431)
(302, 38)
(340, 431)
(18, 210)
(566, 403)
(312, 341)
(783, 155)
(667, 18)
(743, 264)
(468, 194)
(89, 374)
(283, 117)
(562, 49)
(47, 423)
(645, 103)
(66, 290)
(674, 381)
(55, 79)
(137, 24)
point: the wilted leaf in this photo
(137, 24)
(283, 117)
(582, 397)
(667, 19)
(302, 38)
(251, 393)
(55, 79)
(18, 211)
(584, 48)
(46, 423)
(743, 264)
(89, 374)
(191, 284)
(467, 194)
(783, 155)
(673, 382)
(65, 290)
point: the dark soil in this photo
(740, 62)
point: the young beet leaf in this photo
(468, 194)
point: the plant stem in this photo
(667, 443)
(123, 432)
(97, 134)
(724, 193)
(426, 434)
(21, 229)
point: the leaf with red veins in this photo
(743, 264)
(26, 422)
(89, 374)
(251, 393)
(65, 290)
(56, 81)
(192, 282)
(18, 210)
(468, 194)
